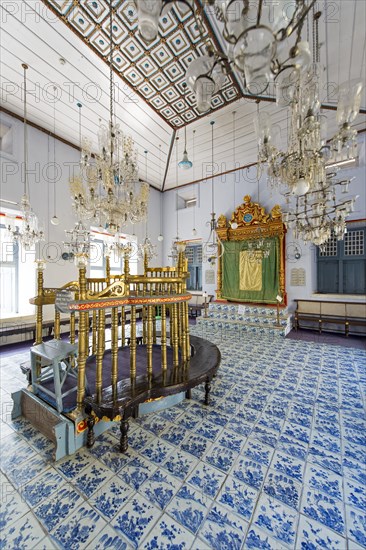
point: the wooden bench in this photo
(346, 314)
(12, 328)
(197, 303)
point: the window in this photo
(341, 265)
(17, 274)
(194, 257)
(8, 275)
(6, 138)
(97, 256)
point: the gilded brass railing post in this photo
(174, 331)
(123, 326)
(94, 332)
(144, 323)
(41, 265)
(133, 343)
(114, 345)
(100, 353)
(108, 269)
(219, 271)
(83, 332)
(146, 263)
(163, 337)
(282, 265)
(72, 327)
(149, 339)
(57, 325)
(126, 269)
(188, 345)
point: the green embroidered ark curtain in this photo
(250, 279)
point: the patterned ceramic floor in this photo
(277, 461)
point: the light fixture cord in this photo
(194, 164)
(79, 105)
(212, 167)
(352, 40)
(176, 182)
(146, 182)
(54, 153)
(111, 78)
(48, 187)
(161, 194)
(26, 183)
(234, 146)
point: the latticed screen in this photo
(194, 257)
(354, 243)
(329, 248)
(190, 254)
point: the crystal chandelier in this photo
(79, 240)
(262, 39)
(107, 192)
(301, 171)
(146, 250)
(258, 248)
(257, 37)
(319, 213)
(28, 232)
(212, 249)
(302, 167)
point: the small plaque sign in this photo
(63, 299)
(209, 277)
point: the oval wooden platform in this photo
(123, 399)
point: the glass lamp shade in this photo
(55, 220)
(254, 50)
(285, 84)
(181, 247)
(194, 232)
(160, 238)
(185, 163)
(301, 187)
(263, 127)
(349, 102)
(302, 59)
(148, 13)
(234, 225)
(204, 78)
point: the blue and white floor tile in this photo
(277, 462)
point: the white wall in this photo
(58, 271)
(246, 183)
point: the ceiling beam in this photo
(168, 159)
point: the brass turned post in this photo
(108, 269)
(57, 325)
(72, 327)
(149, 340)
(83, 335)
(114, 346)
(163, 338)
(133, 343)
(94, 332)
(100, 353)
(41, 265)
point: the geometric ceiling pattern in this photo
(155, 71)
